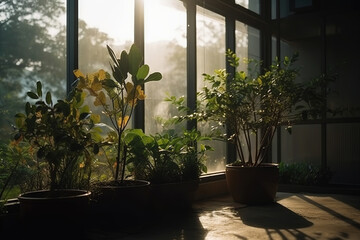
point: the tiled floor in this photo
(293, 216)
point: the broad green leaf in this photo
(124, 64)
(156, 76)
(135, 59)
(142, 72)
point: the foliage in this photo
(303, 174)
(118, 97)
(61, 135)
(167, 157)
(252, 105)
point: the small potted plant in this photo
(252, 106)
(118, 98)
(59, 134)
(172, 163)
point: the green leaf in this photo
(39, 89)
(142, 72)
(48, 98)
(135, 59)
(32, 95)
(156, 76)
(109, 83)
(124, 64)
(112, 54)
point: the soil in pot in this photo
(253, 185)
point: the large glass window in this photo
(247, 43)
(253, 5)
(210, 56)
(101, 25)
(165, 52)
(32, 48)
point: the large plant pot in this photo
(129, 199)
(63, 208)
(253, 185)
(176, 196)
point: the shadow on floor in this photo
(271, 216)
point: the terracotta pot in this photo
(253, 185)
(59, 208)
(131, 198)
(173, 196)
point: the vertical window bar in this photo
(71, 42)
(191, 58)
(139, 112)
(230, 44)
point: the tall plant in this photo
(119, 96)
(253, 105)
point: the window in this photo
(247, 43)
(165, 52)
(32, 48)
(101, 25)
(210, 56)
(253, 5)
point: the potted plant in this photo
(172, 163)
(60, 137)
(118, 98)
(252, 106)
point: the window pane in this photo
(210, 56)
(100, 25)
(253, 5)
(165, 52)
(32, 48)
(247, 43)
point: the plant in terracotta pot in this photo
(118, 98)
(252, 106)
(60, 137)
(172, 163)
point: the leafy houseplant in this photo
(60, 135)
(252, 106)
(168, 157)
(172, 162)
(118, 98)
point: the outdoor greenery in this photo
(303, 173)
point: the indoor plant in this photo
(60, 136)
(172, 163)
(252, 106)
(118, 98)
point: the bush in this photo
(303, 174)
